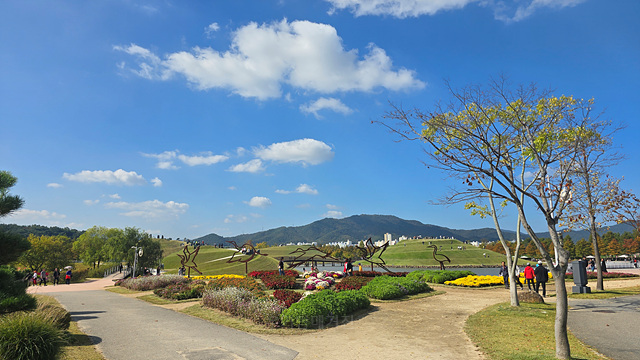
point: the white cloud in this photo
(166, 159)
(332, 207)
(212, 28)
(259, 201)
(236, 219)
(302, 189)
(33, 216)
(54, 185)
(326, 103)
(333, 214)
(156, 182)
(252, 166)
(305, 151)
(114, 196)
(91, 202)
(119, 176)
(262, 58)
(504, 10)
(232, 188)
(150, 209)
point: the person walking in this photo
(56, 276)
(281, 267)
(518, 277)
(349, 267)
(528, 276)
(505, 274)
(43, 277)
(603, 265)
(34, 278)
(542, 277)
(67, 277)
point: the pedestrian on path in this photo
(43, 277)
(281, 267)
(505, 274)
(67, 277)
(528, 276)
(518, 277)
(542, 277)
(56, 276)
(34, 278)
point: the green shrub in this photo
(29, 336)
(385, 287)
(323, 308)
(13, 292)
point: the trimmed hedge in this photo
(322, 308)
(385, 287)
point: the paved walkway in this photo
(131, 329)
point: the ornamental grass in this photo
(243, 303)
(144, 283)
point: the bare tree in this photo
(494, 133)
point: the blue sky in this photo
(187, 118)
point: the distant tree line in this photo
(39, 230)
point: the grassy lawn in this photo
(607, 294)
(213, 261)
(415, 253)
(520, 333)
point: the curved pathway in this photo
(131, 329)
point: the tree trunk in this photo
(596, 254)
(513, 288)
(563, 351)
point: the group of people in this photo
(42, 277)
(540, 274)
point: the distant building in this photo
(387, 237)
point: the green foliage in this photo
(29, 336)
(47, 252)
(8, 203)
(11, 247)
(39, 230)
(13, 296)
(386, 287)
(322, 308)
(54, 313)
(437, 276)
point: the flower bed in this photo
(243, 303)
(379, 273)
(437, 276)
(287, 297)
(352, 283)
(279, 281)
(211, 277)
(323, 308)
(319, 282)
(386, 287)
(333, 274)
(260, 274)
(248, 283)
(144, 283)
(185, 291)
(477, 281)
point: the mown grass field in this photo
(417, 253)
(214, 261)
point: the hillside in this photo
(355, 228)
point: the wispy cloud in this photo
(149, 209)
(252, 166)
(504, 10)
(118, 177)
(54, 185)
(166, 159)
(260, 61)
(332, 104)
(156, 182)
(91, 202)
(302, 189)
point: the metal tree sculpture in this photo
(246, 245)
(301, 259)
(369, 250)
(435, 248)
(188, 258)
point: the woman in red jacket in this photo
(528, 276)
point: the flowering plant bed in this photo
(333, 274)
(143, 283)
(352, 283)
(250, 284)
(243, 303)
(211, 277)
(184, 291)
(287, 297)
(379, 273)
(319, 282)
(477, 281)
(260, 274)
(278, 281)
(437, 276)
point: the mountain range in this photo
(362, 227)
